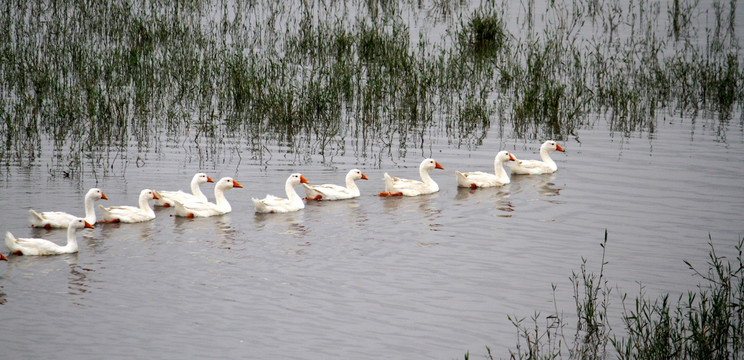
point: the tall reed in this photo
(111, 77)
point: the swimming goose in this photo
(396, 186)
(534, 167)
(58, 219)
(35, 246)
(336, 192)
(198, 208)
(293, 202)
(131, 214)
(478, 179)
(167, 197)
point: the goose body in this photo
(535, 167)
(293, 202)
(478, 179)
(58, 219)
(35, 246)
(132, 214)
(336, 192)
(395, 186)
(198, 208)
(166, 198)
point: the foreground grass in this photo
(707, 323)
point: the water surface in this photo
(426, 277)
(125, 98)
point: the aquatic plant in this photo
(484, 34)
(704, 323)
(104, 78)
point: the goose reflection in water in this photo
(348, 213)
(78, 282)
(185, 225)
(292, 223)
(542, 184)
(500, 195)
(413, 209)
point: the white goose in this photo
(396, 186)
(478, 179)
(535, 167)
(293, 202)
(336, 192)
(166, 198)
(131, 214)
(58, 219)
(198, 208)
(35, 246)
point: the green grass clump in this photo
(483, 33)
(707, 323)
(704, 324)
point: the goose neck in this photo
(350, 183)
(219, 197)
(425, 176)
(143, 203)
(72, 244)
(545, 156)
(195, 189)
(90, 210)
(291, 193)
(498, 169)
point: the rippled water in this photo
(427, 277)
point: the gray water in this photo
(426, 277)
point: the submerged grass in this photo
(96, 77)
(707, 323)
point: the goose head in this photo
(356, 174)
(80, 223)
(504, 156)
(148, 194)
(551, 146)
(227, 183)
(95, 194)
(430, 164)
(202, 178)
(297, 179)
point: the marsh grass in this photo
(707, 323)
(110, 77)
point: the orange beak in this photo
(237, 184)
(155, 195)
(103, 196)
(209, 179)
(512, 158)
(303, 180)
(2, 257)
(88, 225)
(364, 177)
(437, 166)
(559, 148)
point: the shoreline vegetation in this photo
(98, 79)
(706, 323)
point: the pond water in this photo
(426, 277)
(123, 98)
